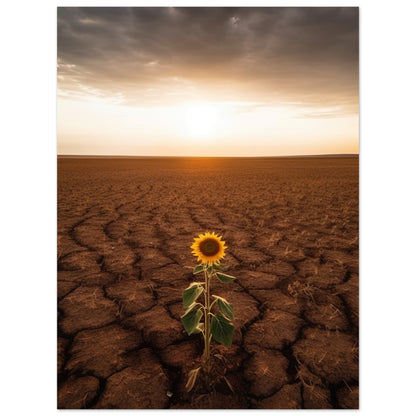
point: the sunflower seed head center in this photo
(209, 247)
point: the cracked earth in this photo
(124, 231)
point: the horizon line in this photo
(206, 157)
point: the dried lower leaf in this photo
(192, 376)
(228, 384)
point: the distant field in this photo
(124, 231)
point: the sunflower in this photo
(209, 248)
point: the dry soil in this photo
(125, 227)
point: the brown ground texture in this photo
(125, 227)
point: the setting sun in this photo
(202, 120)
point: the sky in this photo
(207, 81)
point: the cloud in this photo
(157, 55)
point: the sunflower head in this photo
(208, 248)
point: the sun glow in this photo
(201, 128)
(202, 120)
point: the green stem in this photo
(207, 310)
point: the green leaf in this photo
(219, 267)
(225, 278)
(191, 319)
(191, 293)
(225, 308)
(222, 330)
(198, 269)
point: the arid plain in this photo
(125, 227)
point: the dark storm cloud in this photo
(297, 55)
